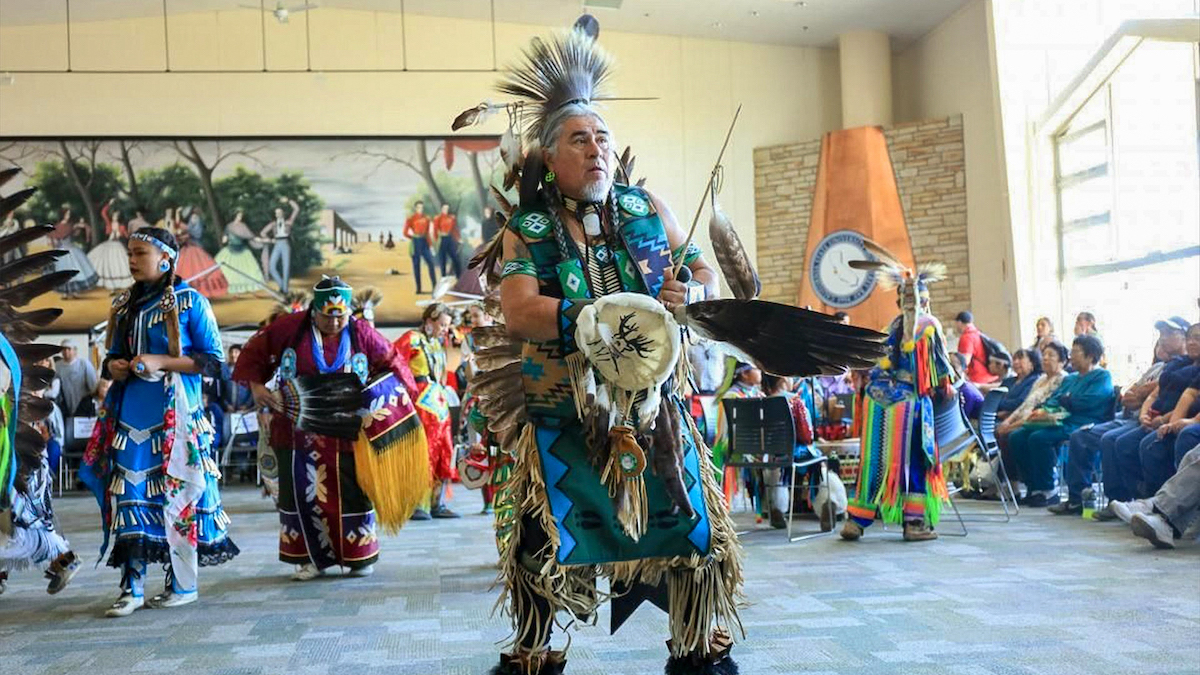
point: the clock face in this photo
(837, 283)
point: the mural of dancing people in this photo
(258, 217)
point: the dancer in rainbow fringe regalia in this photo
(900, 477)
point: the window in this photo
(1127, 183)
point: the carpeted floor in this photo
(1043, 594)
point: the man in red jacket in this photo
(970, 346)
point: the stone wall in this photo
(929, 163)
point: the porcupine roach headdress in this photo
(22, 280)
(569, 69)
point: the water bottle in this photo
(1089, 502)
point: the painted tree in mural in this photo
(82, 185)
(420, 161)
(124, 153)
(258, 197)
(82, 166)
(171, 187)
(205, 167)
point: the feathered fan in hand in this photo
(21, 280)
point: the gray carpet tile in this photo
(1040, 595)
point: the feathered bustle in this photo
(22, 280)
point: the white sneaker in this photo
(1125, 510)
(307, 572)
(125, 605)
(362, 571)
(168, 599)
(1153, 527)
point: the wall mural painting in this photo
(258, 217)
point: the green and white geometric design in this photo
(535, 225)
(634, 205)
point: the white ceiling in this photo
(790, 22)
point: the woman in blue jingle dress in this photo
(151, 462)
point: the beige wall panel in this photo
(389, 39)
(41, 47)
(99, 42)
(217, 40)
(287, 43)
(344, 39)
(437, 43)
(949, 72)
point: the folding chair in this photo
(954, 435)
(243, 440)
(74, 445)
(989, 449)
(762, 435)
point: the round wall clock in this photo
(836, 283)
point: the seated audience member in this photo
(1054, 361)
(1045, 334)
(971, 398)
(1000, 367)
(746, 382)
(1157, 451)
(1120, 454)
(970, 346)
(1085, 324)
(1085, 397)
(1027, 364)
(90, 406)
(1172, 510)
(1186, 427)
(708, 366)
(1086, 443)
(215, 414)
(778, 484)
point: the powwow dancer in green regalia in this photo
(581, 384)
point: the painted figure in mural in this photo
(326, 518)
(423, 348)
(62, 238)
(489, 225)
(449, 241)
(138, 221)
(235, 257)
(195, 265)
(900, 478)
(420, 233)
(279, 232)
(151, 461)
(9, 225)
(110, 258)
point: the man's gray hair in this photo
(554, 124)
